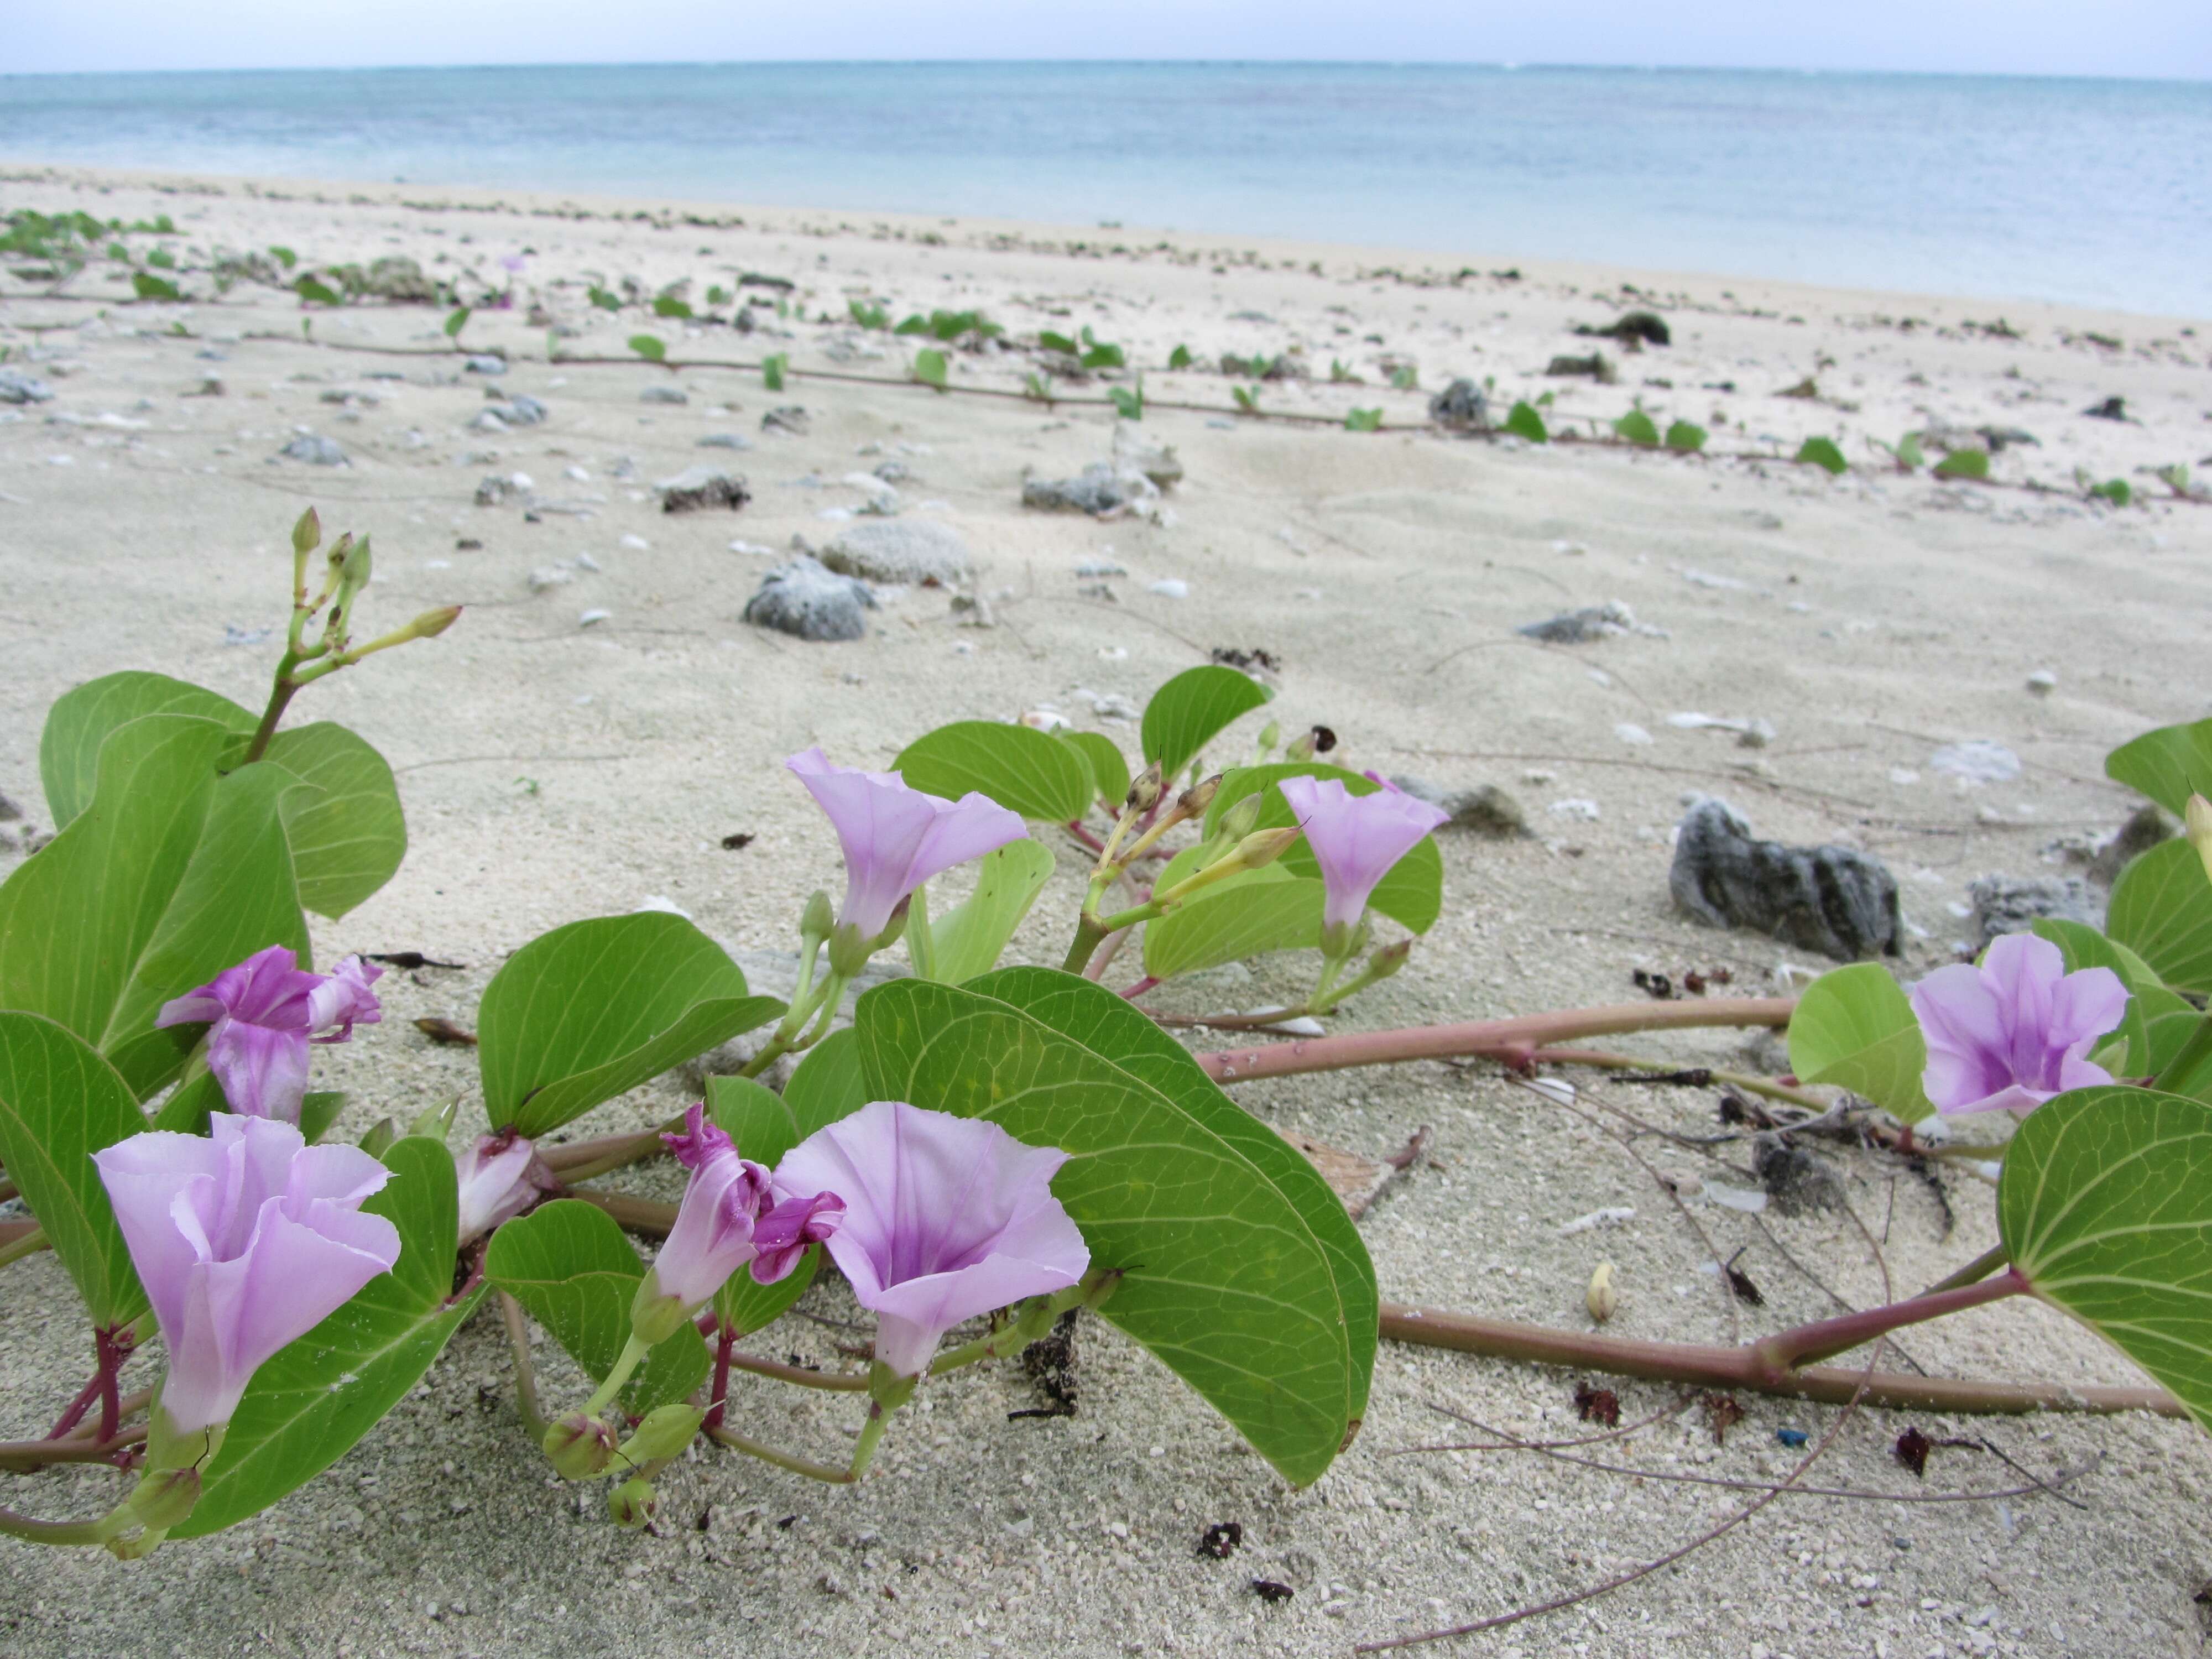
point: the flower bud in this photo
(1270, 735)
(1263, 847)
(1194, 801)
(662, 1433)
(2200, 829)
(1389, 960)
(579, 1447)
(164, 1497)
(632, 1504)
(1318, 740)
(308, 532)
(431, 623)
(1240, 820)
(820, 917)
(1145, 789)
(353, 569)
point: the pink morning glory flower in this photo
(500, 1177)
(2015, 1029)
(245, 1240)
(712, 1234)
(264, 1014)
(946, 1217)
(1356, 838)
(896, 838)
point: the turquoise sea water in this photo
(2092, 191)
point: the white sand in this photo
(552, 772)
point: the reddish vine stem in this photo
(1744, 1367)
(1514, 1041)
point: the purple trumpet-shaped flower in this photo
(245, 1240)
(713, 1235)
(946, 1217)
(265, 1012)
(1356, 838)
(500, 1177)
(2015, 1030)
(896, 838)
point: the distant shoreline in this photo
(2074, 191)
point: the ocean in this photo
(2096, 192)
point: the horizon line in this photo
(1508, 66)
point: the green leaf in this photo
(1909, 455)
(570, 1267)
(1105, 357)
(967, 939)
(1247, 398)
(1823, 454)
(1244, 915)
(875, 316)
(162, 257)
(1405, 378)
(1523, 421)
(319, 1110)
(1194, 709)
(81, 720)
(592, 1010)
(150, 287)
(308, 1405)
(1853, 1027)
(456, 320)
(347, 832)
(929, 367)
(747, 1305)
(1687, 436)
(827, 1086)
(1025, 770)
(772, 370)
(2169, 764)
(667, 305)
(604, 299)
(59, 1103)
(755, 1117)
(649, 347)
(1639, 428)
(1413, 894)
(172, 875)
(284, 256)
(1180, 357)
(316, 293)
(2115, 491)
(1964, 464)
(2105, 1206)
(1109, 771)
(1364, 420)
(1242, 1272)
(1128, 404)
(2161, 909)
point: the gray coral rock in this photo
(1592, 622)
(699, 487)
(664, 394)
(1098, 489)
(1834, 900)
(315, 451)
(2002, 905)
(1461, 406)
(1135, 452)
(2148, 826)
(911, 550)
(800, 597)
(1485, 809)
(17, 387)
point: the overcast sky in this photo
(2158, 38)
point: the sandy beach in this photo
(601, 720)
